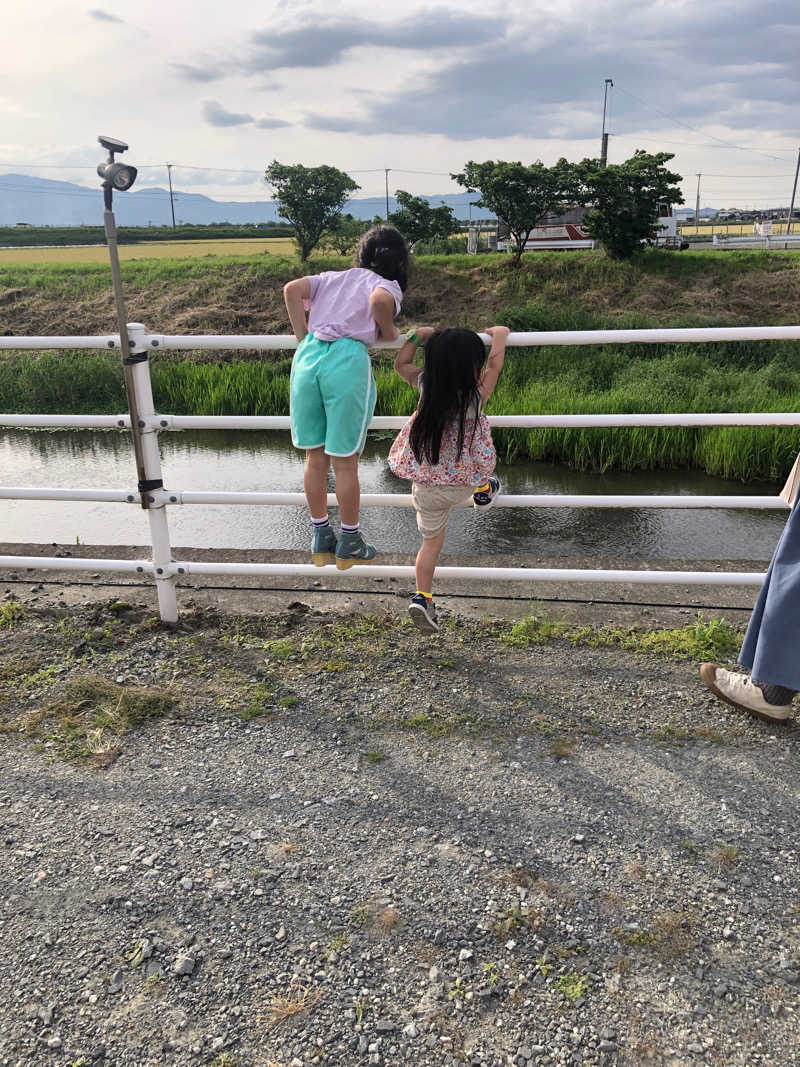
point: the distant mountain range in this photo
(43, 202)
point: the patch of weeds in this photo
(93, 714)
(543, 966)
(153, 986)
(562, 747)
(438, 722)
(635, 938)
(279, 650)
(289, 702)
(669, 733)
(261, 698)
(225, 1059)
(457, 990)
(492, 973)
(724, 857)
(286, 1005)
(573, 985)
(691, 849)
(357, 919)
(11, 613)
(336, 666)
(710, 640)
(338, 943)
(374, 757)
(514, 918)
(360, 1005)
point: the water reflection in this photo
(242, 460)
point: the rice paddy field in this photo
(151, 250)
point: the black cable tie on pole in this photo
(148, 487)
(135, 357)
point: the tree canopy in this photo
(310, 198)
(418, 221)
(624, 199)
(520, 195)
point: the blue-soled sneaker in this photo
(423, 614)
(323, 547)
(351, 548)
(484, 496)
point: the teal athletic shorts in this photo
(331, 395)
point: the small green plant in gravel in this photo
(154, 985)
(573, 985)
(338, 943)
(714, 639)
(635, 938)
(289, 702)
(492, 974)
(360, 1006)
(280, 650)
(261, 698)
(11, 612)
(375, 756)
(458, 990)
(225, 1060)
(357, 919)
(724, 857)
(691, 849)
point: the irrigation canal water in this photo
(263, 461)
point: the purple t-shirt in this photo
(340, 304)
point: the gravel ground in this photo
(306, 838)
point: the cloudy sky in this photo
(220, 89)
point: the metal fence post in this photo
(151, 482)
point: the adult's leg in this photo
(315, 481)
(348, 492)
(427, 558)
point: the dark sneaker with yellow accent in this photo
(351, 548)
(323, 547)
(484, 495)
(423, 614)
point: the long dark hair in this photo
(384, 250)
(454, 359)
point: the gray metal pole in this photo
(128, 360)
(697, 209)
(171, 201)
(794, 190)
(604, 135)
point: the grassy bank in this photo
(549, 292)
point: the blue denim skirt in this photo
(771, 647)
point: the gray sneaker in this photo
(351, 548)
(742, 692)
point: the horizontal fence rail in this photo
(143, 341)
(168, 497)
(153, 496)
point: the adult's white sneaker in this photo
(740, 691)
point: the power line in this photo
(694, 129)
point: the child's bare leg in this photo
(315, 481)
(427, 558)
(348, 492)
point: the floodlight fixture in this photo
(119, 176)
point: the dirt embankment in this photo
(242, 297)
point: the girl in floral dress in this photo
(446, 448)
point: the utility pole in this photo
(794, 190)
(604, 135)
(697, 208)
(171, 201)
(386, 173)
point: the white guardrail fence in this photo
(151, 494)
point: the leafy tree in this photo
(343, 234)
(624, 199)
(418, 221)
(520, 195)
(310, 198)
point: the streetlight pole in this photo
(171, 201)
(604, 135)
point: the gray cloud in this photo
(104, 16)
(271, 124)
(216, 115)
(551, 84)
(323, 42)
(196, 74)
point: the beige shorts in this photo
(433, 504)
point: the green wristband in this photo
(411, 337)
